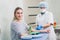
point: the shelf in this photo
(32, 23)
(33, 15)
(33, 7)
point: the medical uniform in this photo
(17, 29)
(47, 17)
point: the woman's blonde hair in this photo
(17, 8)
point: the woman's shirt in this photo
(17, 29)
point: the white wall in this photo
(28, 11)
(6, 14)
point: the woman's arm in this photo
(33, 30)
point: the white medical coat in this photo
(44, 19)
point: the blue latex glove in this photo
(39, 27)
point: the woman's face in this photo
(19, 14)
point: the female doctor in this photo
(45, 19)
(18, 26)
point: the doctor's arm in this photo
(47, 25)
(50, 21)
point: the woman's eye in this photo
(21, 13)
(18, 13)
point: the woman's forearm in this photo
(33, 30)
(43, 30)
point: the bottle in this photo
(54, 24)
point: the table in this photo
(42, 36)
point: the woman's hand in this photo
(25, 34)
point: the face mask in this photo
(42, 10)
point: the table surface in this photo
(36, 37)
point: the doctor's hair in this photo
(17, 8)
